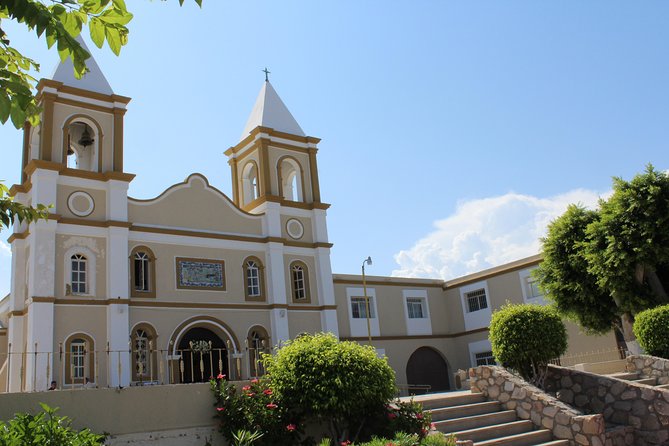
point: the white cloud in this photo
(5, 249)
(486, 232)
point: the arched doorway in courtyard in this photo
(202, 348)
(427, 367)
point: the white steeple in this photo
(270, 111)
(93, 80)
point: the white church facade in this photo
(175, 289)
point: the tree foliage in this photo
(337, 382)
(525, 337)
(604, 266)
(11, 210)
(45, 428)
(651, 328)
(59, 22)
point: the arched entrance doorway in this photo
(203, 355)
(426, 367)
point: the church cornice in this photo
(33, 165)
(283, 202)
(253, 137)
(66, 89)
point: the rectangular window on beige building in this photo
(476, 300)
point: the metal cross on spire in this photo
(267, 73)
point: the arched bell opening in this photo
(82, 139)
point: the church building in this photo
(119, 291)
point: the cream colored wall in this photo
(106, 120)
(304, 322)
(87, 319)
(98, 246)
(505, 287)
(307, 237)
(194, 206)
(275, 154)
(166, 283)
(99, 198)
(583, 344)
(313, 288)
(134, 409)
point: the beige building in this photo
(192, 283)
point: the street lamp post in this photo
(368, 261)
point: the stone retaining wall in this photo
(625, 403)
(531, 403)
(649, 367)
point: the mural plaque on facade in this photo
(200, 274)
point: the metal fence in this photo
(590, 357)
(81, 368)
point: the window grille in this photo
(476, 300)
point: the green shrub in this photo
(339, 383)
(45, 428)
(525, 337)
(253, 410)
(403, 439)
(651, 328)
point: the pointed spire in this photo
(93, 80)
(270, 111)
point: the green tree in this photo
(526, 337)
(59, 22)
(340, 383)
(602, 267)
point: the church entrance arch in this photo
(426, 367)
(202, 348)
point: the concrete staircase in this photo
(469, 416)
(637, 379)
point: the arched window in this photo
(250, 188)
(143, 272)
(144, 354)
(80, 361)
(81, 144)
(254, 279)
(299, 282)
(78, 280)
(258, 342)
(290, 179)
(79, 271)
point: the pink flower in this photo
(345, 443)
(433, 426)
(250, 394)
(419, 416)
(246, 388)
(254, 381)
(220, 376)
(391, 415)
(267, 392)
(291, 427)
(272, 406)
(220, 409)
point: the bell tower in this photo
(73, 161)
(274, 173)
(274, 161)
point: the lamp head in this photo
(368, 260)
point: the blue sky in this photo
(452, 132)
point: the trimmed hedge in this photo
(651, 328)
(526, 337)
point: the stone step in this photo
(647, 381)
(495, 431)
(663, 386)
(532, 438)
(626, 376)
(448, 399)
(555, 443)
(448, 413)
(475, 421)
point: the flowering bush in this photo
(408, 417)
(401, 439)
(254, 409)
(334, 382)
